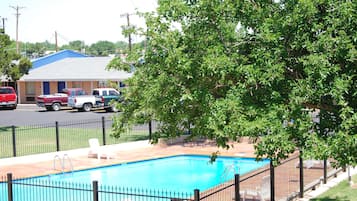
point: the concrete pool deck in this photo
(40, 164)
(43, 164)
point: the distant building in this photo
(67, 69)
(36, 63)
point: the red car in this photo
(8, 97)
(56, 101)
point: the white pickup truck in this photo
(101, 97)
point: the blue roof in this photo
(36, 63)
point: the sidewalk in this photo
(28, 107)
(330, 183)
(42, 164)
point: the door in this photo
(46, 88)
(60, 86)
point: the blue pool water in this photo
(182, 173)
(179, 173)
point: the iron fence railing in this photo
(44, 190)
(283, 182)
(60, 136)
(269, 183)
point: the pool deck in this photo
(43, 164)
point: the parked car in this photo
(100, 98)
(8, 97)
(107, 96)
(56, 101)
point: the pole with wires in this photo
(127, 15)
(17, 14)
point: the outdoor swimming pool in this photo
(179, 173)
(182, 173)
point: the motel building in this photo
(67, 69)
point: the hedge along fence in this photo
(60, 136)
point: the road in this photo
(31, 115)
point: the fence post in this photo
(9, 187)
(301, 167)
(325, 171)
(103, 130)
(150, 130)
(236, 187)
(95, 191)
(57, 137)
(196, 195)
(272, 181)
(13, 141)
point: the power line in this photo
(17, 14)
(63, 37)
(134, 5)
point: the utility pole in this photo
(17, 14)
(128, 24)
(3, 25)
(56, 41)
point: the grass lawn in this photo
(341, 192)
(43, 140)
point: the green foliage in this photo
(12, 65)
(21, 68)
(102, 48)
(76, 45)
(38, 49)
(121, 45)
(227, 69)
(128, 30)
(5, 54)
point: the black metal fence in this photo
(284, 182)
(268, 183)
(44, 190)
(60, 136)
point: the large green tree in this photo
(231, 68)
(12, 65)
(76, 45)
(102, 48)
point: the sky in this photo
(86, 20)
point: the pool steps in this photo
(62, 162)
(233, 168)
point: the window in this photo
(121, 84)
(5, 91)
(30, 88)
(60, 86)
(113, 93)
(95, 93)
(80, 92)
(102, 83)
(76, 84)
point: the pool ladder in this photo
(62, 162)
(233, 168)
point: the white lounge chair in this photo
(319, 164)
(312, 163)
(261, 193)
(99, 151)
